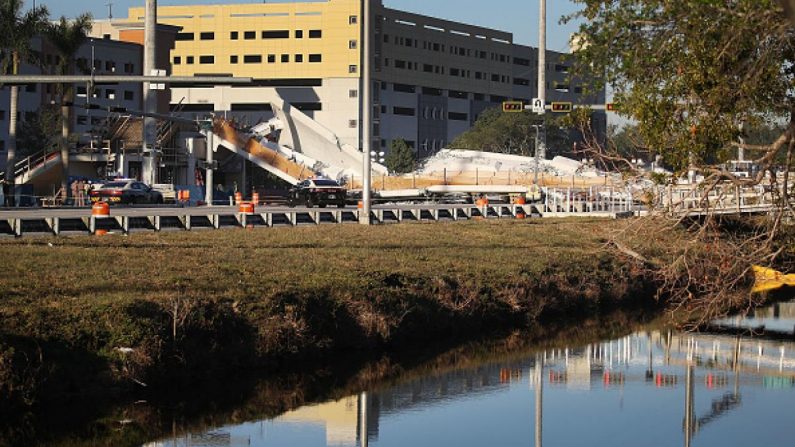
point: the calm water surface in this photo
(654, 388)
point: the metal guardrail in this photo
(125, 220)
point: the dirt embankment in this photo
(106, 315)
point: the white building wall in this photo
(337, 98)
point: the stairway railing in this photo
(29, 163)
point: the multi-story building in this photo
(101, 56)
(432, 77)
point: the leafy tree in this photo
(513, 133)
(400, 158)
(67, 38)
(16, 31)
(39, 133)
(690, 72)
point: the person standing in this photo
(73, 190)
(81, 192)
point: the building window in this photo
(30, 88)
(207, 36)
(177, 60)
(315, 34)
(314, 58)
(110, 94)
(233, 59)
(271, 58)
(81, 91)
(352, 44)
(299, 34)
(129, 96)
(456, 116)
(353, 93)
(403, 111)
(190, 60)
(352, 124)
(353, 20)
(206, 60)
(252, 59)
(278, 34)
(352, 69)
(233, 35)
(285, 58)
(299, 58)
(184, 36)
(110, 66)
(250, 35)
(2, 115)
(82, 120)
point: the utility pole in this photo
(542, 70)
(110, 10)
(151, 162)
(367, 126)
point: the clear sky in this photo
(519, 17)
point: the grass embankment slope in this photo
(204, 301)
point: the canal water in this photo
(651, 388)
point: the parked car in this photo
(126, 191)
(320, 192)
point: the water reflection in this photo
(649, 388)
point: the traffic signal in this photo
(512, 106)
(561, 107)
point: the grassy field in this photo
(158, 307)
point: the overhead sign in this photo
(538, 106)
(561, 107)
(512, 106)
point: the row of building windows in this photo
(252, 35)
(468, 52)
(440, 70)
(427, 144)
(250, 59)
(429, 113)
(442, 48)
(108, 93)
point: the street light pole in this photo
(364, 217)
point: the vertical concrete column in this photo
(208, 177)
(367, 126)
(151, 159)
(190, 169)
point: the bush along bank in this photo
(61, 344)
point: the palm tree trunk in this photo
(11, 161)
(64, 143)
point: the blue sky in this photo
(519, 17)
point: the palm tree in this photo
(16, 31)
(67, 38)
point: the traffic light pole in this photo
(541, 150)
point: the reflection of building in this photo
(340, 419)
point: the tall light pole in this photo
(151, 163)
(367, 126)
(542, 69)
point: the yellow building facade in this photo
(267, 40)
